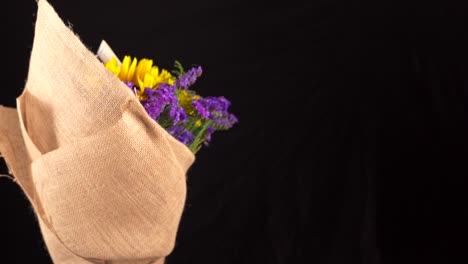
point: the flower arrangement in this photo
(169, 100)
(69, 147)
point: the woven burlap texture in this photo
(108, 184)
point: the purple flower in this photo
(225, 122)
(186, 137)
(129, 84)
(216, 109)
(156, 102)
(233, 118)
(161, 99)
(209, 131)
(177, 114)
(182, 134)
(201, 109)
(189, 77)
(218, 104)
(175, 130)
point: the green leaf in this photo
(179, 69)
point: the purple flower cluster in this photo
(189, 77)
(161, 99)
(225, 121)
(216, 109)
(182, 134)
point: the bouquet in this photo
(101, 148)
(169, 100)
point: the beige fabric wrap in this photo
(107, 183)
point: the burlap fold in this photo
(106, 181)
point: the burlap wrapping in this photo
(107, 183)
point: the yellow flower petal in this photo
(124, 68)
(141, 85)
(143, 67)
(141, 72)
(113, 66)
(131, 70)
(149, 81)
(155, 71)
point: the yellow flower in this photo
(113, 66)
(142, 69)
(127, 69)
(198, 123)
(185, 100)
(142, 73)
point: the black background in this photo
(351, 145)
